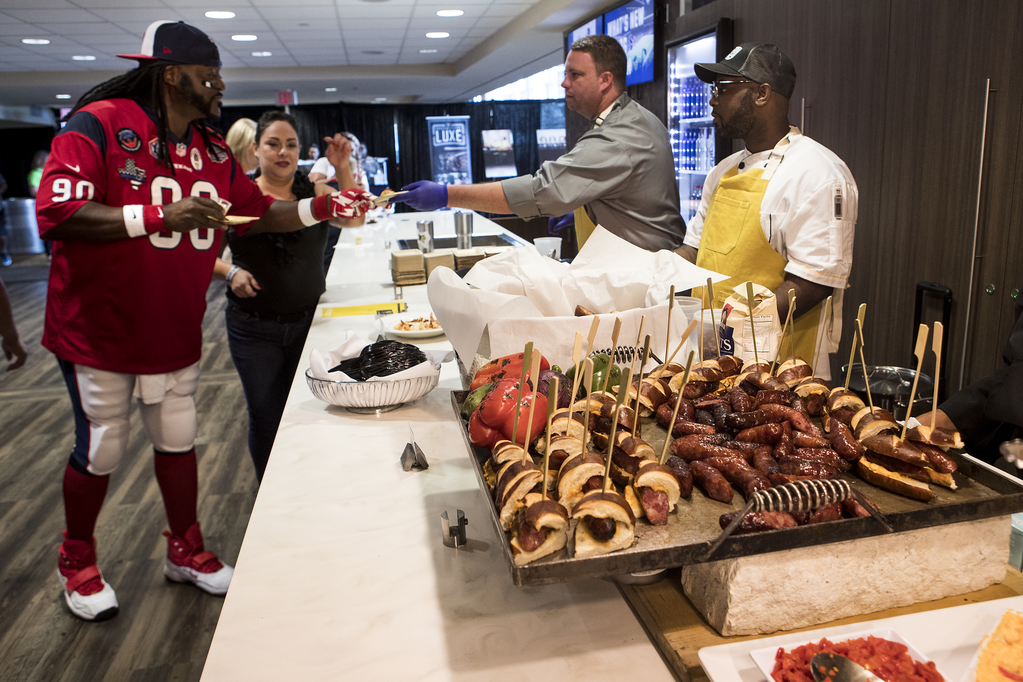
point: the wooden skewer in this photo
(614, 348)
(717, 334)
(825, 316)
(552, 405)
(939, 338)
(534, 371)
(788, 321)
(671, 304)
(685, 336)
(863, 363)
(861, 315)
(918, 351)
(752, 333)
(703, 308)
(674, 411)
(577, 353)
(646, 355)
(635, 348)
(623, 390)
(588, 379)
(593, 335)
(527, 355)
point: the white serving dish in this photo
(371, 394)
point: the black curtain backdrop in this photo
(375, 125)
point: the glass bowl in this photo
(371, 396)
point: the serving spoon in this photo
(829, 667)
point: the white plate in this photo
(764, 658)
(387, 324)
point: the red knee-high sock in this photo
(83, 498)
(179, 482)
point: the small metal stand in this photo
(412, 456)
(453, 534)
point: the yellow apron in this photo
(733, 243)
(584, 227)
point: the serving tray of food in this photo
(967, 490)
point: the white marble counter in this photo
(342, 573)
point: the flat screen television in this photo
(632, 25)
(594, 26)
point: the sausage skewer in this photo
(939, 338)
(614, 349)
(667, 334)
(785, 328)
(861, 315)
(623, 390)
(717, 334)
(534, 371)
(552, 405)
(863, 364)
(674, 412)
(642, 364)
(527, 353)
(752, 333)
(918, 351)
(825, 315)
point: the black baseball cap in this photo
(759, 62)
(178, 43)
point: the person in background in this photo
(14, 349)
(128, 282)
(989, 412)
(36, 172)
(313, 153)
(323, 171)
(241, 139)
(797, 233)
(275, 282)
(621, 169)
(5, 256)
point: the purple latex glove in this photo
(423, 195)
(557, 224)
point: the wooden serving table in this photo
(680, 631)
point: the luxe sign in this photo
(450, 156)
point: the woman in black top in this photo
(275, 282)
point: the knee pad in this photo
(101, 402)
(171, 423)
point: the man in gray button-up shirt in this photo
(621, 169)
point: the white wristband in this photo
(305, 212)
(133, 220)
(231, 273)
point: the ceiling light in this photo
(330, 89)
(243, 37)
(437, 34)
(427, 51)
(450, 13)
(35, 41)
(262, 54)
(84, 58)
(214, 14)
(380, 99)
(63, 96)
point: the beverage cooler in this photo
(694, 144)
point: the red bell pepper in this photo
(507, 367)
(497, 414)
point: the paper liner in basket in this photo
(519, 296)
(320, 362)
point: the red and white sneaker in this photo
(188, 562)
(87, 595)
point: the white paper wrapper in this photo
(519, 296)
(321, 362)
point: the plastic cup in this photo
(548, 246)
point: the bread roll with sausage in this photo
(574, 473)
(544, 521)
(606, 524)
(793, 370)
(657, 490)
(891, 480)
(514, 480)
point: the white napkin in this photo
(321, 362)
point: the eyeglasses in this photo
(716, 89)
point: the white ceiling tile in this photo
(41, 16)
(366, 11)
(39, 4)
(135, 17)
(376, 26)
(300, 37)
(315, 13)
(116, 4)
(506, 10)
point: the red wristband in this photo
(320, 207)
(152, 218)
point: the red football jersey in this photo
(133, 305)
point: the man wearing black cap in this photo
(134, 196)
(781, 212)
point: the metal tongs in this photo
(797, 496)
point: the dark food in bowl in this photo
(381, 359)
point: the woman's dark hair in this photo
(269, 118)
(143, 84)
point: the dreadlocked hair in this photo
(144, 84)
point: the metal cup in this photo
(463, 230)
(425, 229)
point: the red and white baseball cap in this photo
(178, 43)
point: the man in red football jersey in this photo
(134, 196)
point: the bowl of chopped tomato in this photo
(883, 651)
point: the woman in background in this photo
(241, 139)
(323, 171)
(275, 282)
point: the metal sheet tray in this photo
(983, 492)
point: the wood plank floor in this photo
(164, 629)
